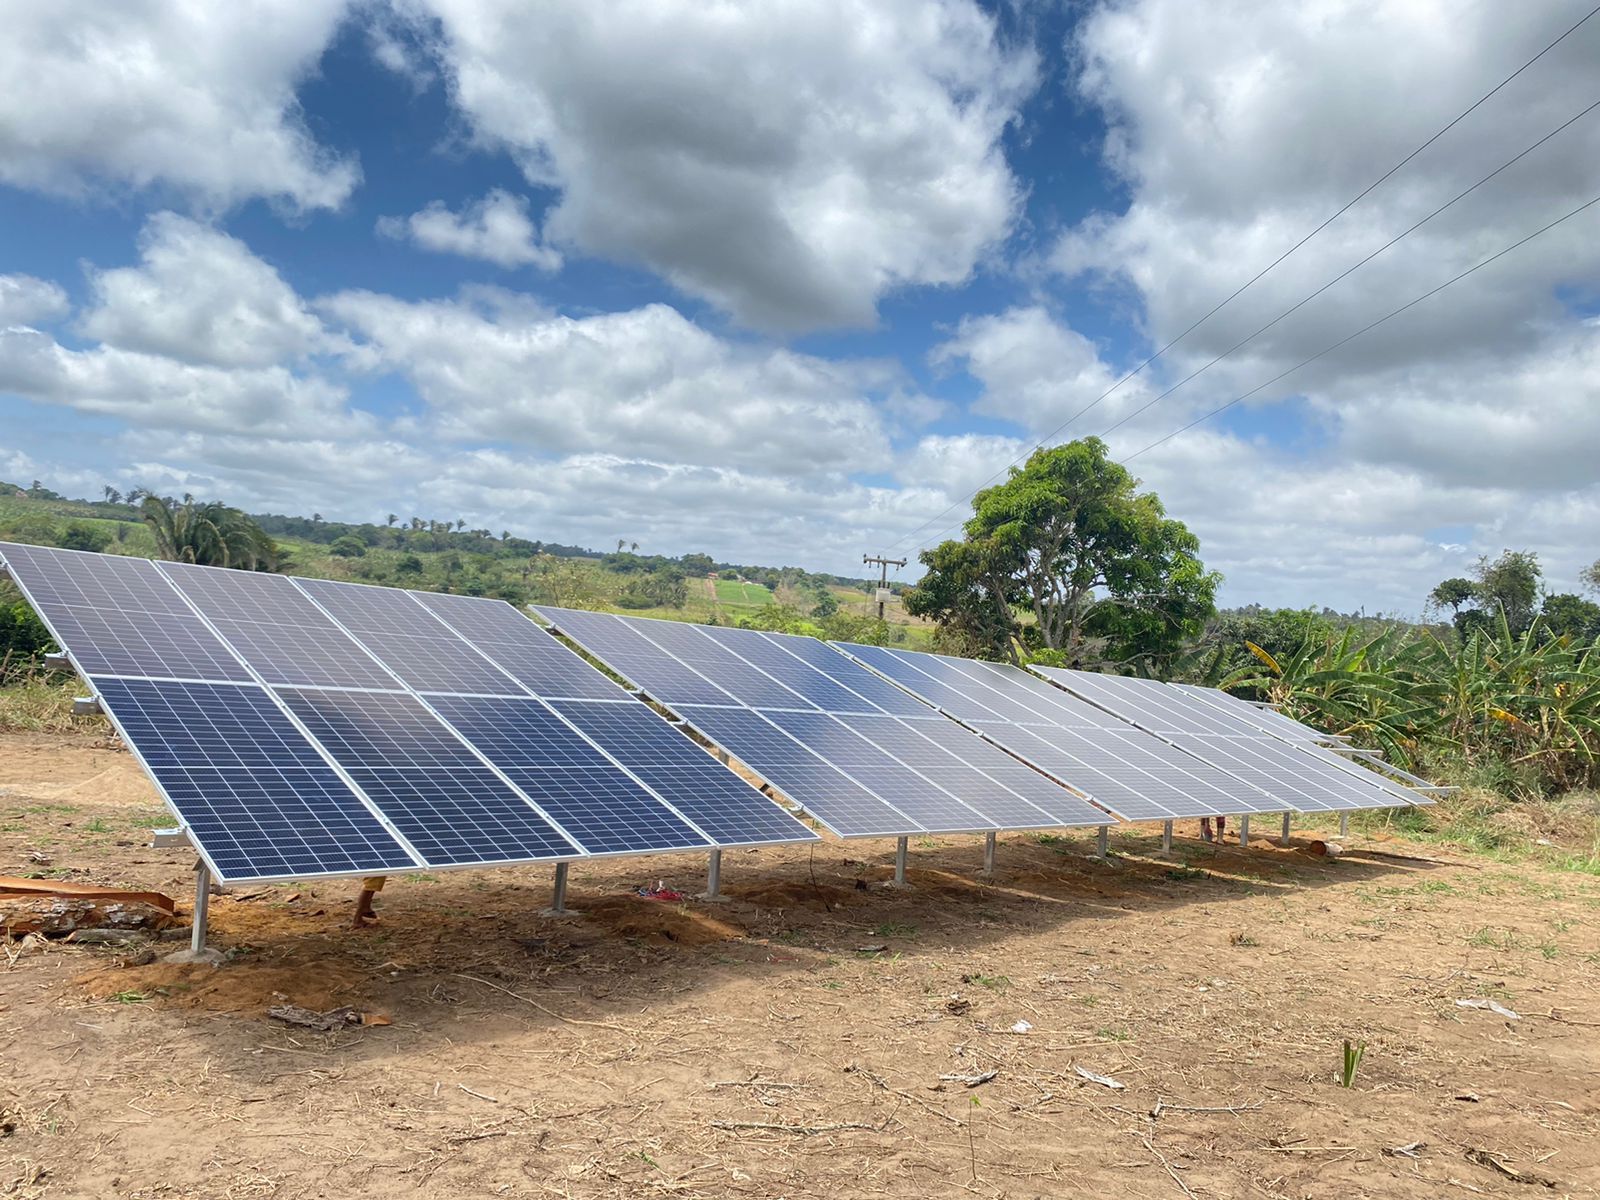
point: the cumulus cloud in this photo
(151, 390)
(200, 297)
(647, 380)
(496, 229)
(25, 300)
(1036, 371)
(790, 163)
(199, 98)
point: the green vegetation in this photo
(1067, 562)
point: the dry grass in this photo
(43, 704)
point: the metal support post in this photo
(1100, 850)
(900, 861)
(558, 905)
(714, 876)
(202, 908)
(1344, 824)
(1284, 839)
(1244, 830)
(988, 853)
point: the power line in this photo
(1258, 276)
(1348, 271)
(1352, 269)
(1364, 329)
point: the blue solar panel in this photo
(365, 608)
(1147, 703)
(731, 811)
(844, 806)
(636, 658)
(690, 645)
(520, 648)
(591, 798)
(1007, 792)
(811, 685)
(276, 629)
(1048, 701)
(951, 696)
(445, 802)
(1117, 775)
(119, 616)
(883, 696)
(254, 793)
(927, 805)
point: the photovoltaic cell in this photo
(255, 794)
(928, 806)
(949, 693)
(731, 811)
(119, 616)
(593, 800)
(365, 608)
(445, 802)
(276, 629)
(636, 658)
(1007, 792)
(1266, 719)
(519, 647)
(846, 807)
(883, 696)
(689, 644)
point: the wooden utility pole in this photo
(883, 575)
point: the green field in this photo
(749, 595)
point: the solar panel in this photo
(433, 789)
(930, 808)
(519, 647)
(1147, 703)
(276, 629)
(800, 773)
(505, 779)
(259, 800)
(883, 696)
(119, 616)
(714, 661)
(1295, 773)
(1007, 792)
(1266, 719)
(949, 695)
(800, 677)
(593, 800)
(408, 639)
(635, 657)
(730, 810)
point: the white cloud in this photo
(200, 296)
(195, 97)
(25, 300)
(648, 382)
(1037, 371)
(790, 163)
(151, 391)
(496, 229)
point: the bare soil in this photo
(791, 1042)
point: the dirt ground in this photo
(812, 1037)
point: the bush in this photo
(410, 564)
(348, 547)
(83, 536)
(23, 638)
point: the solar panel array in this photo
(856, 752)
(1135, 776)
(307, 727)
(1299, 775)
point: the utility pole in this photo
(883, 575)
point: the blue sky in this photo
(785, 283)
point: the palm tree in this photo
(112, 495)
(210, 534)
(392, 518)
